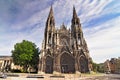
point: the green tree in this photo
(25, 54)
(100, 67)
(95, 66)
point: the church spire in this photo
(76, 30)
(50, 28)
(75, 19)
(51, 12)
(74, 12)
(50, 19)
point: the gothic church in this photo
(64, 50)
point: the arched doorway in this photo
(67, 63)
(49, 65)
(83, 64)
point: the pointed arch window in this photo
(49, 38)
(79, 40)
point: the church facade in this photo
(64, 50)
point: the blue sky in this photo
(25, 19)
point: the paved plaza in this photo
(66, 77)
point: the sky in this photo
(25, 20)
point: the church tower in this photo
(76, 30)
(49, 30)
(79, 44)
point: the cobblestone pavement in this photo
(69, 77)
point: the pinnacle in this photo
(74, 12)
(63, 26)
(51, 11)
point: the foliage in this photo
(98, 67)
(25, 54)
(94, 67)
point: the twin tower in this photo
(64, 50)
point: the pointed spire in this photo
(63, 26)
(74, 12)
(51, 12)
(50, 19)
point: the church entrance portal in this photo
(49, 65)
(83, 65)
(67, 63)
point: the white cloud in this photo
(105, 42)
(93, 10)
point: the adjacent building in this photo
(112, 66)
(64, 50)
(5, 63)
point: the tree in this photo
(25, 54)
(100, 67)
(95, 65)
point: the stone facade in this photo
(6, 64)
(64, 50)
